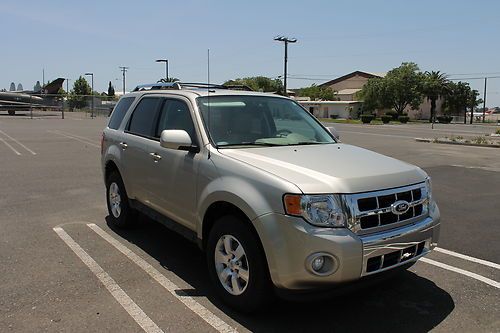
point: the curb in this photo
(456, 143)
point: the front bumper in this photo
(289, 243)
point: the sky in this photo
(67, 39)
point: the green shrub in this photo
(403, 119)
(498, 131)
(367, 118)
(480, 140)
(444, 119)
(386, 118)
(394, 115)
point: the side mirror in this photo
(334, 132)
(177, 139)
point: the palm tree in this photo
(435, 86)
(169, 79)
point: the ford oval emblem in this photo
(400, 207)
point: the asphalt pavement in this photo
(64, 269)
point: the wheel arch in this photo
(109, 167)
(221, 208)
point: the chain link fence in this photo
(57, 106)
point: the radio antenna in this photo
(208, 96)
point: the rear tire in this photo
(11, 112)
(237, 265)
(120, 212)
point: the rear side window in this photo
(119, 112)
(143, 119)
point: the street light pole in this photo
(92, 94)
(286, 40)
(484, 99)
(166, 66)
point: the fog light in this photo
(321, 264)
(318, 263)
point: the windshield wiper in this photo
(301, 143)
(263, 144)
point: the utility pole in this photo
(286, 40)
(67, 86)
(484, 99)
(124, 70)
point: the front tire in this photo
(237, 265)
(120, 212)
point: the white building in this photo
(333, 109)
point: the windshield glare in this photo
(259, 121)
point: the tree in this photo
(258, 83)
(12, 86)
(111, 90)
(435, 86)
(401, 87)
(371, 95)
(459, 97)
(168, 79)
(318, 93)
(78, 95)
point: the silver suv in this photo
(271, 195)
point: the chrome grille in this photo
(393, 258)
(373, 211)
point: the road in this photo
(62, 268)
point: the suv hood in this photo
(330, 168)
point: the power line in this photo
(476, 78)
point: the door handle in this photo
(156, 157)
(123, 145)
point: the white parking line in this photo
(377, 134)
(465, 257)
(19, 143)
(188, 301)
(462, 271)
(125, 301)
(8, 145)
(75, 138)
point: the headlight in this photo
(428, 184)
(431, 203)
(319, 210)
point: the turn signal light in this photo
(292, 204)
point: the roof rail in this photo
(158, 86)
(183, 85)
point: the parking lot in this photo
(63, 269)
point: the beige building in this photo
(348, 85)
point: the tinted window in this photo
(119, 112)
(144, 117)
(175, 115)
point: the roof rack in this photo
(187, 85)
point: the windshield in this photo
(259, 121)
